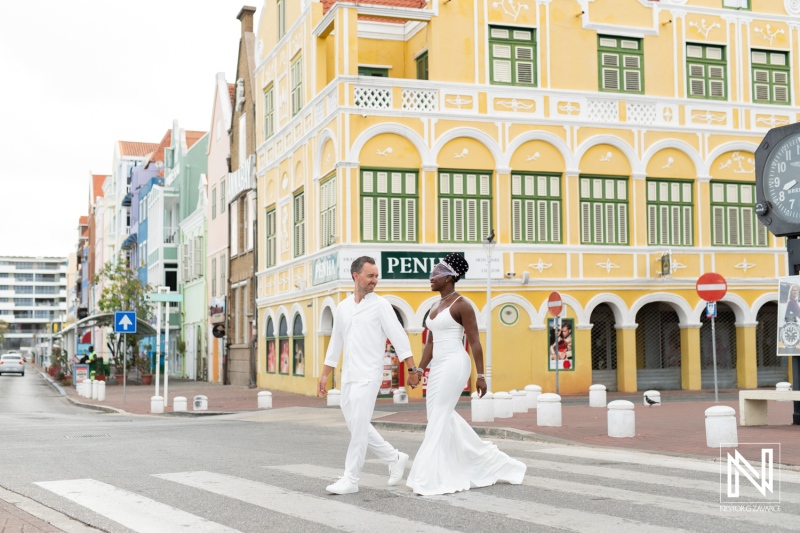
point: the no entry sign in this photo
(711, 287)
(554, 304)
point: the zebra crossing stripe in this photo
(134, 511)
(327, 511)
(531, 512)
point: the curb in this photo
(483, 431)
(52, 383)
(95, 407)
(193, 414)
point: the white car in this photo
(12, 363)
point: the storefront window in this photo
(271, 361)
(283, 338)
(298, 342)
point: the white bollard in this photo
(651, 398)
(503, 407)
(101, 391)
(548, 410)
(721, 427)
(621, 420)
(94, 389)
(179, 404)
(157, 405)
(783, 386)
(532, 392)
(87, 388)
(597, 396)
(482, 408)
(200, 403)
(400, 396)
(265, 399)
(334, 398)
(519, 401)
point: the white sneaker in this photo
(342, 486)
(398, 468)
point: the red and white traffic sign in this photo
(711, 287)
(554, 304)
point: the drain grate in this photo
(88, 436)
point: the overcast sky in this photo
(77, 75)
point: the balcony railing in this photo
(170, 235)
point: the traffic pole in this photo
(124, 367)
(714, 358)
(555, 335)
(158, 345)
(166, 356)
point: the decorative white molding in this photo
(702, 29)
(670, 160)
(744, 265)
(459, 101)
(607, 266)
(772, 121)
(792, 7)
(540, 265)
(767, 33)
(511, 10)
(515, 105)
(384, 152)
(461, 155)
(533, 157)
(606, 158)
(739, 169)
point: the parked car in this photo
(12, 363)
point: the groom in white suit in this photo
(361, 325)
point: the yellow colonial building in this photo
(608, 144)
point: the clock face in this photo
(782, 178)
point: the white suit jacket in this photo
(362, 329)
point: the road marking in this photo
(132, 510)
(632, 457)
(524, 510)
(330, 511)
(51, 516)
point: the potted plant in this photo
(142, 364)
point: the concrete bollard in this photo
(503, 407)
(101, 391)
(519, 401)
(400, 396)
(94, 389)
(532, 392)
(621, 420)
(157, 405)
(548, 410)
(651, 398)
(482, 408)
(783, 386)
(597, 396)
(179, 404)
(265, 399)
(86, 392)
(334, 398)
(200, 403)
(721, 427)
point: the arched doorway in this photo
(771, 368)
(658, 348)
(725, 329)
(604, 347)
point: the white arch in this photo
(727, 147)
(580, 315)
(282, 311)
(625, 148)
(397, 129)
(269, 313)
(297, 310)
(618, 306)
(500, 160)
(570, 163)
(405, 310)
(681, 146)
(328, 304)
(324, 136)
(516, 299)
(761, 300)
(735, 302)
(685, 312)
(425, 306)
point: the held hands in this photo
(413, 379)
(480, 385)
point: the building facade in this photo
(607, 145)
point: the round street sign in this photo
(554, 303)
(711, 287)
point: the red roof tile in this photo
(83, 221)
(158, 152)
(326, 4)
(232, 91)
(97, 185)
(192, 137)
(136, 149)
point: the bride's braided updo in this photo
(458, 264)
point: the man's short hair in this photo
(358, 264)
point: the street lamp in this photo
(488, 247)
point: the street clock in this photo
(778, 181)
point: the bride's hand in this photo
(480, 384)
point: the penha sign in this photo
(409, 265)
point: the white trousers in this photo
(358, 403)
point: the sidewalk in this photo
(676, 427)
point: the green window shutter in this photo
(535, 206)
(389, 205)
(411, 219)
(770, 74)
(652, 225)
(620, 63)
(422, 66)
(669, 212)
(444, 219)
(367, 216)
(512, 54)
(555, 221)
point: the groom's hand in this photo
(413, 379)
(322, 386)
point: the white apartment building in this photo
(33, 297)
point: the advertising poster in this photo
(561, 345)
(271, 367)
(789, 315)
(284, 368)
(299, 357)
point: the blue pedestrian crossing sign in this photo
(125, 322)
(711, 309)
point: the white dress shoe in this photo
(398, 468)
(343, 486)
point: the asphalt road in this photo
(267, 471)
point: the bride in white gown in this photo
(453, 457)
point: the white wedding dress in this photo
(453, 457)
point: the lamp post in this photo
(488, 247)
